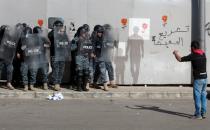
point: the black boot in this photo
(79, 84)
(84, 86)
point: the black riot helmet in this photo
(83, 31)
(37, 29)
(107, 26)
(19, 25)
(96, 27)
(78, 32)
(24, 25)
(27, 30)
(58, 23)
(86, 27)
(100, 29)
(2, 29)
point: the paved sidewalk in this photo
(123, 92)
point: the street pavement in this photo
(103, 114)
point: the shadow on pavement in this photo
(158, 109)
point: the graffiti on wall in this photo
(124, 22)
(171, 37)
(40, 22)
(207, 27)
(72, 27)
(164, 20)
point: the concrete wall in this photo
(29, 11)
(208, 36)
(156, 65)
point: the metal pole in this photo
(202, 8)
(198, 22)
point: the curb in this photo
(98, 95)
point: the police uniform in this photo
(84, 51)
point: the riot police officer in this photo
(73, 75)
(45, 43)
(104, 45)
(32, 49)
(84, 51)
(109, 43)
(59, 52)
(10, 35)
(100, 71)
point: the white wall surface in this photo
(208, 36)
(15, 11)
(158, 65)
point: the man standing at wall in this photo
(198, 60)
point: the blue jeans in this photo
(110, 70)
(199, 94)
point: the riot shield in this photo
(110, 41)
(12, 35)
(43, 32)
(111, 36)
(62, 48)
(33, 49)
(45, 57)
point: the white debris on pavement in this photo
(56, 96)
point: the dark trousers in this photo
(83, 73)
(9, 70)
(57, 71)
(28, 74)
(44, 72)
